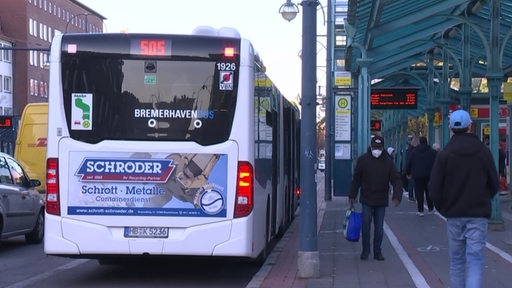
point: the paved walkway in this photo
(415, 248)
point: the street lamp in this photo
(289, 10)
(308, 258)
(76, 16)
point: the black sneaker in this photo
(364, 256)
(378, 257)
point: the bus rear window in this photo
(124, 97)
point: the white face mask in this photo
(376, 153)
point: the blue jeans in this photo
(377, 214)
(466, 239)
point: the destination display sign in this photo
(394, 98)
(375, 125)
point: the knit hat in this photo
(460, 119)
(377, 142)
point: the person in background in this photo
(463, 181)
(391, 152)
(418, 168)
(410, 181)
(501, 160)
(373, 172)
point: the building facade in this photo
(27, 28)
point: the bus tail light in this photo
(52, 186)
(244, 200)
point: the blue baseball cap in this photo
(460, 119)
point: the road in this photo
(23, 265)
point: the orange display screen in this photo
(5, 122)
(394, 98)
(151, 47)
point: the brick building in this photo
(28, 26)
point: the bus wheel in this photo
(266, 249)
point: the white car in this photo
(21, 205)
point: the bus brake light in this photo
(244, 200)
(52, 186)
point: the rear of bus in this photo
(143, 154)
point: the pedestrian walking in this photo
(373, 172)
(463, 181)
(410, 181)
(418, 168)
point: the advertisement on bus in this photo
(149, 184)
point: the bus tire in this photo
(266, 249)
(37, 234)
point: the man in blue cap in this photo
(463, 181)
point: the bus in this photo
(163, 144)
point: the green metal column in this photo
(465, 89)
(445, 90)
(494, 80)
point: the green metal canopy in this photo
(399, 33)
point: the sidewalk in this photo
(415, 251)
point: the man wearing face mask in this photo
(373, 172)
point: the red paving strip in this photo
(283, 273)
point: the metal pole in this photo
(308, 256)
(494, 79)
(329, 109)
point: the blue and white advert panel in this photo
(147, 184)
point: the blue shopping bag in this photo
(352, 225)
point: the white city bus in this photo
(166, 145)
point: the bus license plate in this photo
(146, 232)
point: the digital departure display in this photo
(5, 122)
(151, 47)
(375, 125)
(394, 98)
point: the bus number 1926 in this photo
(226, 66)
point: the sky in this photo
(277, 41)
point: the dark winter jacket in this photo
(464, 178)
(372, 176)
(420, 162)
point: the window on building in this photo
(30, 27)
(6, 54)
(31, 87)
(1, 83)
(36, 87)
(7, 84)
(341, 40)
